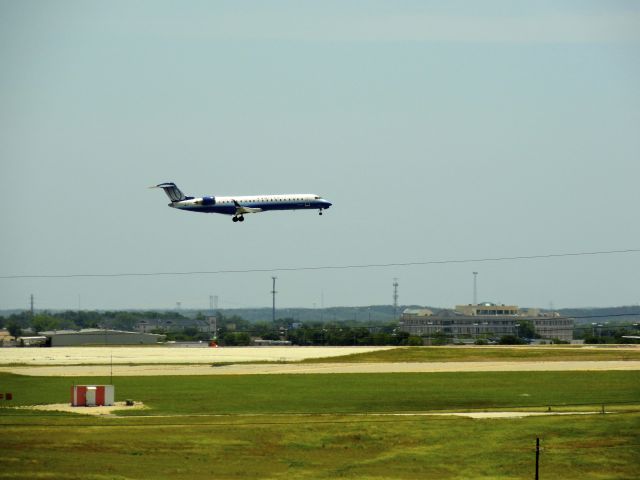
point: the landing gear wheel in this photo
(241, 219)
(320, 212)
(235, 219)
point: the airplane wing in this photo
(240, 210)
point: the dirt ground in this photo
(169, 354)
(105, 410)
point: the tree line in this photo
(233, 329)
(229, 330)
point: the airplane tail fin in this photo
(172, 191)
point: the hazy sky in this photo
(439, 130)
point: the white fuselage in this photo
(241, 204)
(252, 203)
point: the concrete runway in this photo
(301, 368)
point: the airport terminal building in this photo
(485, 320)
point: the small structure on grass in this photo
(92, 395)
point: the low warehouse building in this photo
(95, 336)
(38, 341)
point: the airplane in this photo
(238, 206)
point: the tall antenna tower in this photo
(475, 288)
(273, 293)
(395, 297)
(31, 305)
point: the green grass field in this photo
(593, 447)
(548, 353)
(343, 393)
(312, 426)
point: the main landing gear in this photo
(238, 219)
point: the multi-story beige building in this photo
(485, 320)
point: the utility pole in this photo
(395, 298)
(31, 309)
(273, 293)
(537, 458)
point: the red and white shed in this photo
(92, 395)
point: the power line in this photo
(324, 267)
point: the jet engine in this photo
(206, 201)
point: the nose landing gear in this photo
(320, 212)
